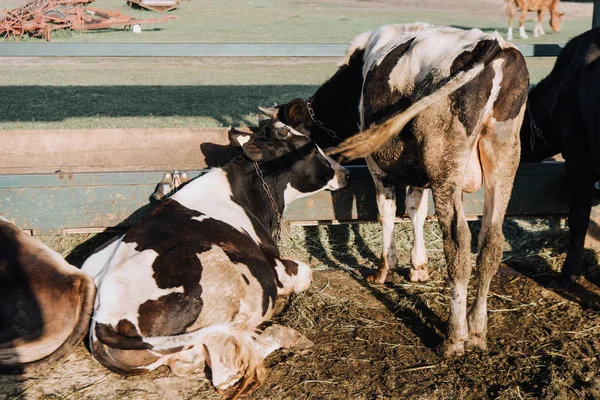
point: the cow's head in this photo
(299, 165)
(297, 114)
(556, 19)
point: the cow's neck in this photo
(539, 136)
(257, 192)
(336, 104)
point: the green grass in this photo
(79, 93)
(281, 21)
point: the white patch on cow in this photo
(293, 283)
(98, 262)
(242, 140)
(211, 195)
(200, 218)
(432, 51)
(128, 283)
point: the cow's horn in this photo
(269, 112)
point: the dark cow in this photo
(563, 117)
(45, 302)
(194, 279)
(540, 6)
(448, 105)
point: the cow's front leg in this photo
(457, 249)
(581, 198)
(416, 207)
(386, 206)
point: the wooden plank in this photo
(43, 49)
(94, 150)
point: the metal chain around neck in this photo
(311, 112)
(270, 195)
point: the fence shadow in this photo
(227, 105)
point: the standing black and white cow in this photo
(194, 279)
(447, 105)
(45, 302)
(563, 117)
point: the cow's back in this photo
(415, 64)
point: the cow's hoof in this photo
(476, 342)
(419, 275)
(379, 277)
(453, 349)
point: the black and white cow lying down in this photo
(446, 106)
(45, 302)
(193, 280)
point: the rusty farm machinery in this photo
(40, 17)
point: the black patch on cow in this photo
(335, 103)
(513, 88)
(170, 313)
(246, 279)
(171, 232)
(474, 95)
(291, 267)
(125, 336)
(381, 102)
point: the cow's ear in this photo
(238, 138)
(260, 151)
(269, 112)
(296, 112)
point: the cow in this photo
(45, 302)
(562, 118)
(533, 5)
(442, 108)
(195, 278)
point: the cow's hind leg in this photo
(278, 336)
(522, 32)
(416, 207)
(386, 205)
(511, 16)
(457, 249)
(499, 152)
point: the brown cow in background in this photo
(45, 302)
(533, 5)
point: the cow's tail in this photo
(214, 340)
(369, 141)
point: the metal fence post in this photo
(596, 14)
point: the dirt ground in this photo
(381, 342)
